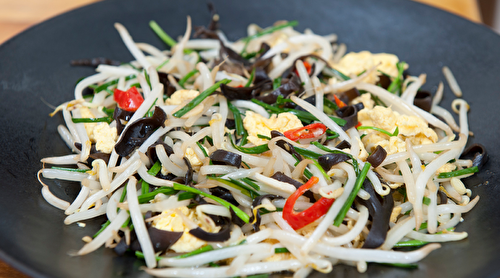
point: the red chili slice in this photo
(308, 68)
(339, 103)
(129, 100)
(301, 219)
(308, 131)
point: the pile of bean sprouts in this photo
(326, 245)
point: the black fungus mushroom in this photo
(327, 161)
(256, 202)
(477, 153)
(223, 235)
(223, 157)
(380, 210)
(162, 240)
(377, 156)
(350, 114)
(120, 115)
(189, 174)
(94, 154)
(343, 145)
(423, 100)
(137, 132)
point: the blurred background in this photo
(18, 15)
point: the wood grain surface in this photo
(17, 15)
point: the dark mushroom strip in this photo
(224, 194)
(377, 156)
(284, 178)
(343, 145)
(151, 152)
(94, 154)
(223, 157)
(94, 62)
(349, 95)
(350, 115)
(423, 100)
(235, 219)
(168, 87)
(380, 209)
(256, 202)
(285, 145)
(384, 81)
(137, 132)
(120, 115)
(443, 199)
(162, 240)
(287, 87)
(327, 161)
(189, 174)
(477, 153)
(223, 235)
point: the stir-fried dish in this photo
(275, 152)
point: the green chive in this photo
(160, 33)
(239, 186)
(186, 77)
(395, 85)
(250, 80)
(266, 31)
(458, 173)
(426, 201)
(162, 64)
(263, 137)
(144, 198)
(140, 255)
(281, 250)
(253, 150)
(104, 226)
(410, 243)
(92, 120)
(238, 121)
(396, 131)
(197, 100)
(251, 183)
(359, 182)
(71, 169)
(276, 83)
(241, 214)
(185, 196)
(202, 149)
(105, 86)
(200, 250)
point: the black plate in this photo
(34, 67)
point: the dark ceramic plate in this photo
(34, 67)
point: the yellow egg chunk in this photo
(193, 158)
(105, 137)
(171, 221)
(89, 127)
(410, 127)
(448, 167)
(353, 64)
(180, 96)
(257, 124)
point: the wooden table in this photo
(16, 16)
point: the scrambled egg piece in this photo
(89, 127)
(410, 127)
(448, 167)
(355, 63)
(171, 221)
(256, 124)
(280, 256)
(366, 99)
(180, 96)
(105, 137)
(101, 134)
